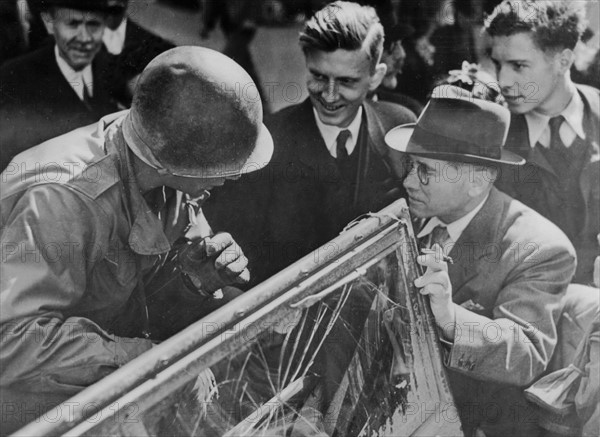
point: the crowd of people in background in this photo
(386, 108)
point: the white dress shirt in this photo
(114, 40)
(539, 128)
(77, 79)
(455, 229)
(330, 133)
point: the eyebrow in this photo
(313, 71)
(427, 166)
(496, 61)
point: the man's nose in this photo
(84, 34)
(506, 80)
(411, 181)
(330, 93)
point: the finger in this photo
(229, 256)
(217, 243)
(433, 277)
(433, 261)
(434, 290)
(243, 277)
(234, 268)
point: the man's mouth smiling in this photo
(329, 106)
(512, 98)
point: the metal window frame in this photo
(158, 373)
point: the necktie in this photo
(340, 142)
(555, 141)
(558, 153)
(439, 235)
(87, 99)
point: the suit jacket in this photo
(300, 217)
(531, 184)
(275, 214)
(511, 270)
(38, 103)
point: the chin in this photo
(414, 212)
(519, 108)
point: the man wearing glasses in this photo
(496, 306)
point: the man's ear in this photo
(48, 22)
(480, 179)
(378, 76)
(565, 59)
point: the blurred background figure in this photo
(13, 29)
(238, 23)
(586, 67)
(394, 57)
(130, 48)
(60, 86)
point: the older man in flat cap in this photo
(104, 247)
(58, 87)
(497, 304)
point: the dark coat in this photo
(532, 184)
(309, 201)
(277, 214)
(38, 103)
(140, 47)
(511, 269)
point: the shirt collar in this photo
(76, 79)
(147, 236)
(114, 40)
(330, 133)
(573, 114)
(456, 228)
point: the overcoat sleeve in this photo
(48, 258)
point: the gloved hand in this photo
(214, 262)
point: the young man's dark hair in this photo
(347, 26)
(554, 25)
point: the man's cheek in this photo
(314, 87)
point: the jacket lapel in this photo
(66, 95)
(477, 239)
(372, 163)
(518, 142)
(309, 145)
(376, 132)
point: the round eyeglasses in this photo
(422, 170)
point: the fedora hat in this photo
(80, 5)
(193, 115)
(456, 126)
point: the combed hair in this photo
(346, 26)
(553, 24)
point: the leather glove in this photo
(212, 263)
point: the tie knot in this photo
(555, 123)
(439, 235)
(341, 140)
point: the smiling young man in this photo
(555, 123)
(497, 305)
(59, 87)
(328, 164)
